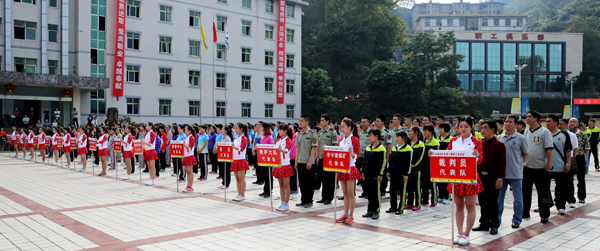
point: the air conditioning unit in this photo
(478, 85)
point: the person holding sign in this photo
(348, 180)
(224, 167)
(42, 144)
(54, 147)
(81, 148)
(465, 194)
(240, 164)
(444, 140)
(374, 166)
(414, 181)
(150, 152)
(399, 171)
(15, 141)
(189, 160)
(102, 147)
(327, 137)
(431, 143)
(24, 144)
(267, 139)
(128, 151)
(67, 146)
(283, 173)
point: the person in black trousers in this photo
(374, 166)
(398, 172)
(267, 131)
(306, 145)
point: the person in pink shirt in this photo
(294, 178)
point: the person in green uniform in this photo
(414, 181)
(363, 135)
(400, 163)
(594, 138)
(444, 140)
(500, 125)
(431, 143)
(327, 137)
(306, 146)
(374, 166)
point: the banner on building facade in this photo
(281, 51)
(118, 77)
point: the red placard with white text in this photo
(586, 101)
(225, 152)
(137, 147)
(119, 68)
(92, 143)
(281, 57)
(449, 166)
(176, 149)
(48, 139)
(35, 140)
(59, 142)
(336, 159)
(9, 139)
(268, 155)
(73, 144)
(117, 145)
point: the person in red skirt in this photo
(465, 195)
(103, 149)
(350, 140)
(42, 144)
(189, 160)
(14, 137)
(54, 148)
(283, 173)
(128, 150)
(23, 143)
(150, 152)
(240, 165)
(82, 148)
(30, 144)
(67, 146)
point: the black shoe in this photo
(537, 210)
(526, 216)
(481, 228)
(255, 183)
(493, 231)
(266, 195)
(515, 225)
(301, 204)
(375, 216)
(262, 194)
(321, 201)
(391, 210)
(367, 215)
(544, 220)
(327, 202)
(261, 183)
(145, 171)
(308, 205)
(399, 212)
(362, 195)
(582, 201)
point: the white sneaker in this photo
(457, 239)
(173, 175)
(561, 212)
(31, 159)
(242, 198)
(67, 167)
(55, 164)
(285, 207)
(15, 156)
(127, 177)
(222, 187)
(150, 183)
(237, 198)
(95, 165)
(464, 240)
(41, 162)
(280, 207)
(572, 205)
(446, 202)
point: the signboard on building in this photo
(281, 36)
(118, 77)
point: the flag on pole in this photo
(226, 37)
(203, 37)
(214, 32)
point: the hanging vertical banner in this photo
(567, 112)
(524, 105)
(575, 111)
(281, 51)
(118, 77)
(514, 106)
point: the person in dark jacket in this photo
(398, 172)
(373, 167)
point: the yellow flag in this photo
(203, 37)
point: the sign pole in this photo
(141, 169)
(116, 167)
(453, 198)
(270, 188)
(177, 177)
(225, 179)
(335, 201)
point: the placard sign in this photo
(35, 140)
(48, 139)
(137, 147)
(336, 159)
(177, 149)
(73, 144)
(59, 142)
(117, 145)
(225, 152)
(92, 144)
(268, 155)
(449, 166)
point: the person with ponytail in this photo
(178, 162)
(283, 173)
(15, 141)
(67, 146)
(294, 178)
(82, 150)
(444, 140)
(399, 171)
(42, 144)
(349, 139)
(225, 167)
(54, 147)
(414, 181)
(431, 143)
(150, 152)
(267, 138)
(189, 159)
(128, 151)
(240, 164)
(103, 149)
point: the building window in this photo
(507, 22)
(133, 8)
(247, 4)
(461, 22)
(165, 13)
(194, 108)
(525, 55)
(194, 48)
(221, 80)
(493, 57)
(25, 64)
(289, 86)
(478, 57)
(164, 76)
(540, 57)
(289, 111)
(463, 48)
(268, 84)
(493, 82)
(519, 22)
(133, 106)
(221, 22)
(53, 33)
(221, 109)
(268, 110)
(450, 22)
(246, 82)
(164, 107)
(496, 21)
(133, 73)
(509, 83)
(53, 67)
(290, 10)
(268, 58)
(289, 61)
(438, 22)
(464, 81)
(222, 1)
(555, 57)
(484, 22)
(194, 78)
(478, 82)
(221, 51)
(289, 35)
(269, 6)
(246, 109)
(194, 19)
(509, 56)
(165, 45)
(246, 27)
(427, 22)
(53, 3)
(97, 102)
(133, 40)
(25, 30)
(246, 55)
(26, 1)
(269, 31)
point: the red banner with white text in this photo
(453, 167)
(118, 77)
(281, 51)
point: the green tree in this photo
(317, 93)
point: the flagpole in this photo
(213, 74)
(226, 75)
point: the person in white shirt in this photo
(57, 114)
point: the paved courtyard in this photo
(44, 207)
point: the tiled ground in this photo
(49, 208)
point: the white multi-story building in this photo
(472, 22)
(170, 76)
